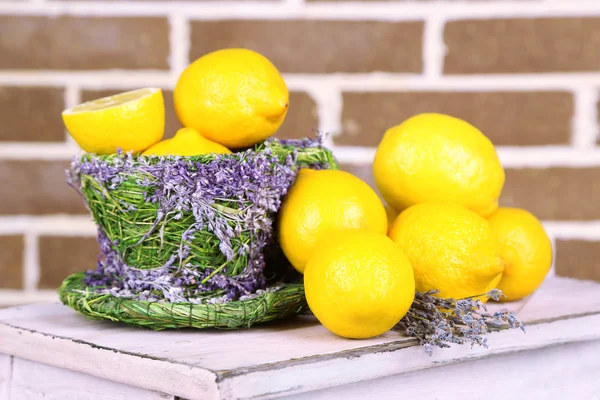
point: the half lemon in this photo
(130, 121)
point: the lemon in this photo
(526, 250)
(451, 248)
(359, 284)
(391, 214)
(131, 121)
(186, 142)
(436, 157)
(320, 203)
(235, 97)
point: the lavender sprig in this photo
(438, 322)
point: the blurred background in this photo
(527, 73)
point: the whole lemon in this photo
(235, 97)
(451, 248)
(130, 121)
(359, 284)
(321, 202)
(526, 250)
(436, 157)
(391, 213)
(186, 142)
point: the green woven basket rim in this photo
(266, 306)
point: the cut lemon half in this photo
(130, 121)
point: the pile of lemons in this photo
(226, 100)
(441, 229)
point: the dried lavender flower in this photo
(438, 322)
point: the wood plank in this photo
(563, 372)
(111, 364)
(299, 376)
(562, 298)
(270, 358)
(34, 381)
(297, 337)
(5, 375)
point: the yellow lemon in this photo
(235, 97)
(131, 121)
(359, 284)
(186, 142)
(436, 157)
(526, 250)
(391, 214)
(451, 248)
(320, 203)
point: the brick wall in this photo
(526, 72)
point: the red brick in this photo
(301, 120)
(37, 187)
(522, 45)
(11, 262)
(318, 46)
(82, 43)
(554, 193)
(578, 259)
(62, 256)
(31, 114)
(507, 118)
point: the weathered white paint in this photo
(34, 381)
(356, 10)
(283, 358)
(564, 372)
(5, 375)
(389, 360)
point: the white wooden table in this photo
(49, 352)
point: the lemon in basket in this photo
(131, 121)
(186, 142)
(235, 97)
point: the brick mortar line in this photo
(573, 230)
(31, 262)
(329, 105)
(37, 151)
(585, 118)
(434, 48)
(368, 82)
(179, 43)
(326, 10)
(514, 157)
(58, 225)
(511, 156)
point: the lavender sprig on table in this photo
(438, 322)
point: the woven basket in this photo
(189, 241)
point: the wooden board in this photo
(272, 360)
(5, 375)
(563, 372)
(34, 381)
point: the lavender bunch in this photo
(439, 322)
